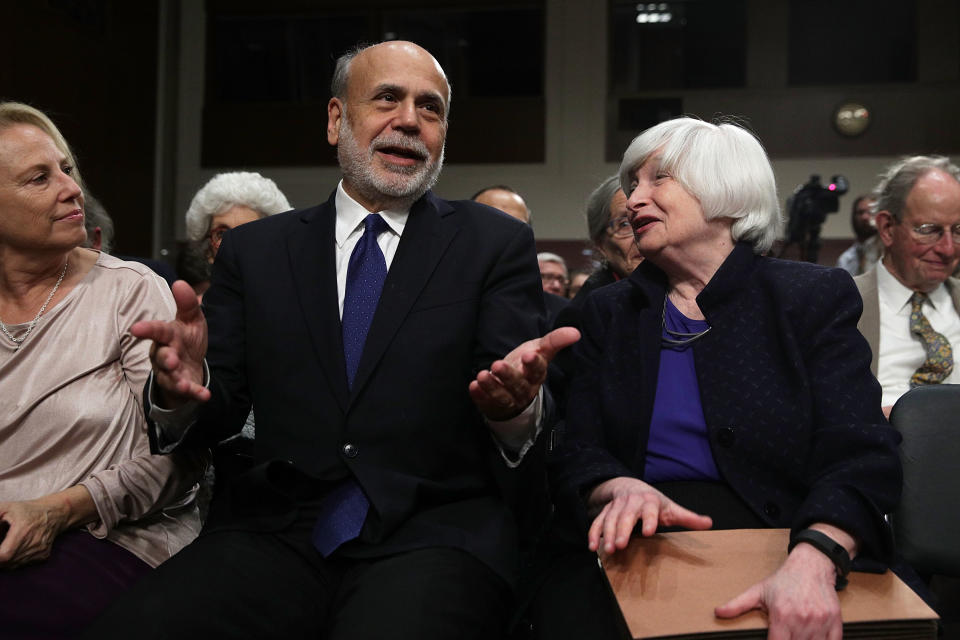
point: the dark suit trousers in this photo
(242, 584)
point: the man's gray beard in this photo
(405, 184)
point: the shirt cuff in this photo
(174, 424)
(515, 436)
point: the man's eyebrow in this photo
(390, 88)
(386, 87)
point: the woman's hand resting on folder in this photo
(800, 598)
(624, 501)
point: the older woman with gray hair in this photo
(229, 200)
(731, 383)
(609, 226)
(612, 237)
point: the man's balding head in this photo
(918, 217)
(388, 118)
(505, 199)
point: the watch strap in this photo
(829, 547)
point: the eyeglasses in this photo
(553, 277)
(930, 233)
(620, 227)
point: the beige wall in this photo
(556, 189)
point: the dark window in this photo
(269, 71)
(682, 44)
(852, 42)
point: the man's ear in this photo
(885, 224)
(334, 115)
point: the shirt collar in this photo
(895, 295)
(351, 214)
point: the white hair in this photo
(546, 256)
(722, 165)
(227, 190)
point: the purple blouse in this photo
(678, 448)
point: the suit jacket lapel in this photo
(953, 286)
(869, 324)
(425, 238)
(311, 248)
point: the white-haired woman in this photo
(229, 200)
(731, 383)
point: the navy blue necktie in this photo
(344, 509)
(365, 275)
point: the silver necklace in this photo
(36, 319)
(677, 338)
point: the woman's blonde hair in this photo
(14, 113)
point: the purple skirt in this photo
(60, 596)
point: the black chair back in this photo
(927, 522)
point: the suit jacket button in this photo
(725, 437)
(350, 450)
(771, 509)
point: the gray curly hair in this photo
(226, 190)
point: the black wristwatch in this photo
(829, 547)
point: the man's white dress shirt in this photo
(901, 352)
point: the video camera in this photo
(807, 209)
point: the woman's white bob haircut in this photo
(722, 165)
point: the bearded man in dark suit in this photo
(385, 445)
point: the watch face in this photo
(851, 119)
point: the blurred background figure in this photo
(101, 234)
(194, 267)
(98, 223)
(911, 305)
(84, 508)
(506, 199)
(865, 251)
(577, 278)
(613, 243)
(611, 234)
(229, 200)
(553, 273)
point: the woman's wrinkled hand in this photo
(624, 501)
(33, 526)
(800, 598)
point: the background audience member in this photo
(505, 199)
(100, 237)
(609, 228)
(510, 202)
(910, 302)
(194, 267)
(553, 273)
(577, 278)
(98, 223)
(229, 200)
(84, 508)
(731, 383)
(865, 251)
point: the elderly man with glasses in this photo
(910, 301)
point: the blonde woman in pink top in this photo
(84, 508)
